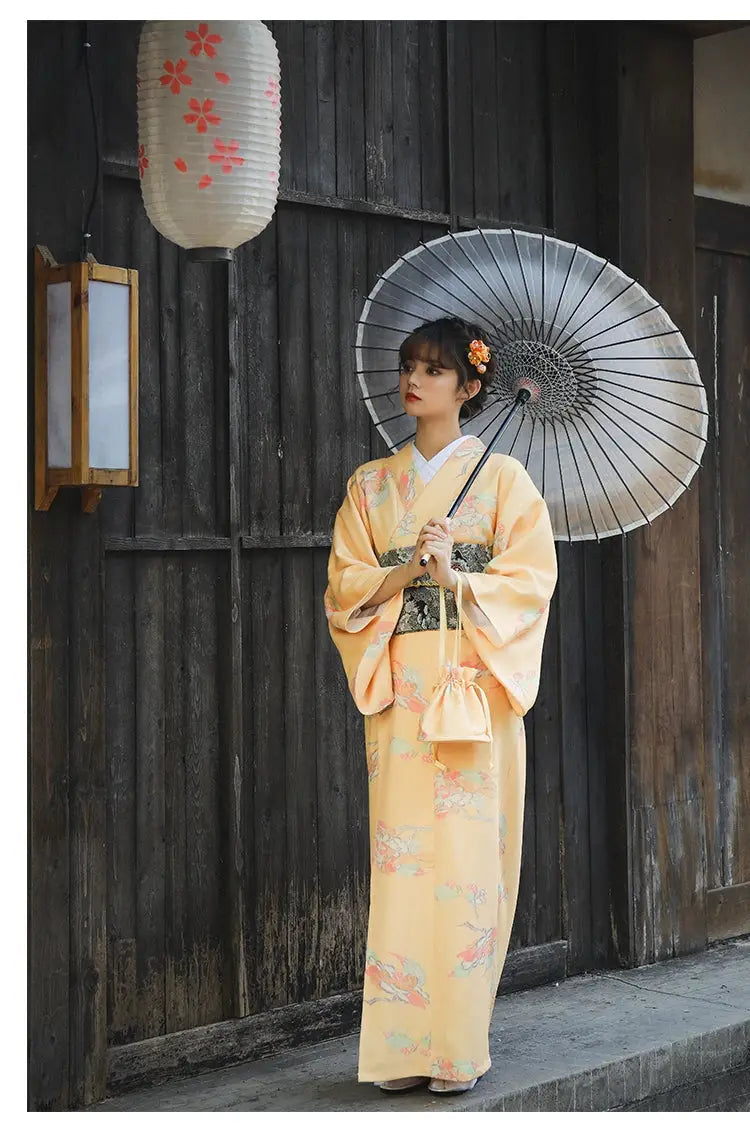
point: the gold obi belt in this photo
(421, 607)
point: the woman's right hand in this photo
(426, 533)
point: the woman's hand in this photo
(435, 540)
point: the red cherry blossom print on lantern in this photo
(200, 114)
(175, 75)
(203, 41)
(227, 155)
(209, 102)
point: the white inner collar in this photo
(434, 463)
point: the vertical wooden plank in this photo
(232, 679)
(122, 1011)
(294, 377)
(201, 746)
(263, 823)
(676, 589)
(461, 188)
(355, 449)
(407, 154)
(613, 756)
(336, 865)
(667, 728)
(433, 125)
(482, 79)
(378, 111)
(575, 788)
(178, 993)
(302, 803)
(596, 695)
(616, 680)
(350, 108)
(326, 376)
(635, 253)
(257, 282)
(714, 632)
(570, 108)
(148, 708)
(49, 835)
(265, 633)
(320, 106)
(521, 121)
(116, 42)
(301, 449)
(199, 374)
(290, 42)
(218, 318)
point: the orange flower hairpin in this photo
(479, 354)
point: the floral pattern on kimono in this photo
(445, 839)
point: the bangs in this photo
(429, 349)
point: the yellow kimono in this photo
(445, 843)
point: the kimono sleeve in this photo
(361, 637)
(505, 616)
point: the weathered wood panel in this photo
(666, 747)
(68, 783)
(609, 704)
(166, 732)
(733, 340)
(571, 770)
(723, 303)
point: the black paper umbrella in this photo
(595, 390)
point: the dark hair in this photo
(447, 341)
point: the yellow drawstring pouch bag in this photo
(458, 710)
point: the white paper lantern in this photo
(209, 131)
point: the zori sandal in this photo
(437, 1085)
(401, 1084)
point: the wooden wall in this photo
(666, 758)
(198, 789)
(723, 335)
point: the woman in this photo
(446, 820)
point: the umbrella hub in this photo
(553, 383)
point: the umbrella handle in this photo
(522, 397)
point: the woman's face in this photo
(435, 386)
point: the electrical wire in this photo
(86, 233)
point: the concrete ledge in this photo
(615, 1040)
(185, 1053)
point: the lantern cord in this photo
(86, 234)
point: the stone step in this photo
(671, 1036)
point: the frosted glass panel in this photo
(109, 375)
(59, 445)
